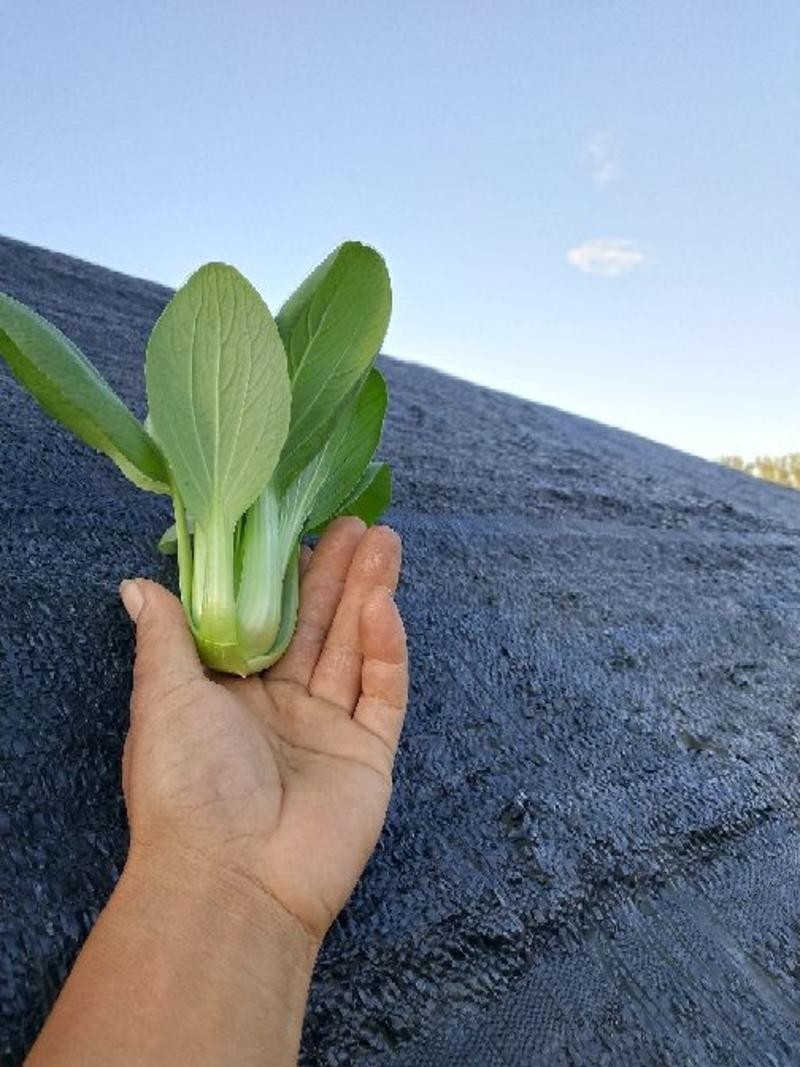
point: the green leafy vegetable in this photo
(261, 430)
(350, 448)
(70, 389)
(332, 328)
(219, 408)
(370, 498)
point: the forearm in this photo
(182, 968)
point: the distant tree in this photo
(732, 461)
(784, 470)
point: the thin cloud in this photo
(607, 256)
(602, 156)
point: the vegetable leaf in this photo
(218, 392)
(370, 498)
(69, 389)
(168, 542)
(332, 328)
(351, 447)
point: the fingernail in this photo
(132, 598)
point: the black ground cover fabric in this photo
(591, 855)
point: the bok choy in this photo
(260, 429)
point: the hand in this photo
(280, 780)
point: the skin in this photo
(253, 805)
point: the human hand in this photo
(281, 780)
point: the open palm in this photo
(283, 778)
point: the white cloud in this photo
(608, 256)
(602, 156)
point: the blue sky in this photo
(594, 205)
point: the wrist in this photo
(229, 897)
(186, 964)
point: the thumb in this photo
(166, 656)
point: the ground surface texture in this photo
(591, 855)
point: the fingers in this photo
(384, 674)
(320, 591)
(337, 675)
(166, 656)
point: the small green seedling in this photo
(260, 429)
